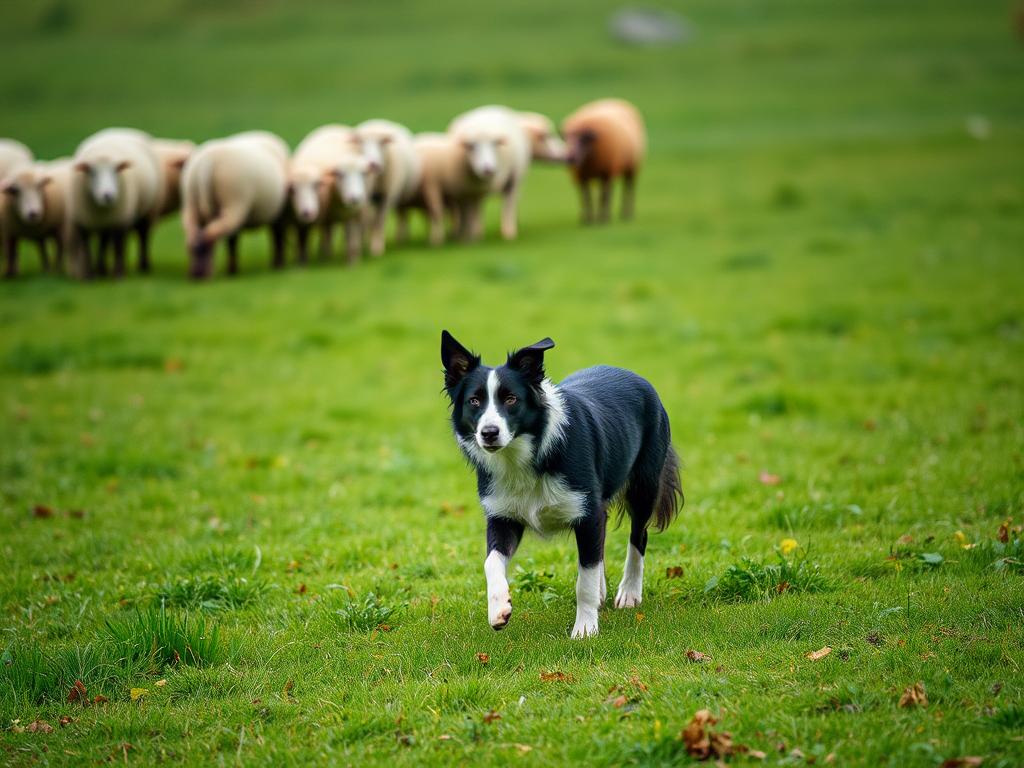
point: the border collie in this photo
(555, 457)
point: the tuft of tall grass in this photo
(367, 614)
(158, 639)
(210, 593)
(750, 580)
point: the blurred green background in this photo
(823, 281)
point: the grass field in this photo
(243, 500)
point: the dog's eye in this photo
(475, 402)
(511, 400)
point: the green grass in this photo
(824, 282)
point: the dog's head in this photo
(491, 407)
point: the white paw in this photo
(586, 624)
(629, 595)
(499, 610)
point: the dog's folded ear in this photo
(529, 361)
(457, 360)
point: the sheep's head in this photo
(545, 143)
(103, 175)
(373, 146)
(482, 154)
(353, 178)
(579, 146)
(26, 189)
(305, 189)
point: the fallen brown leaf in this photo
(490, 717)
(39, 726)
(819, 654)
(287, 691)
(561, 677)
(78, 693)
(301, 589)
(637, 683)
(674, 572)
(483, 658)
(65, 721)
(620, 701)
(100, 699)
(701, 741)
(756, 754)
(914, 696)
(875, 639)
(78, 514)
(1004, 531)
(962, 762)
(41, 510)
(767, 478)
(160, 683)
(697, 657)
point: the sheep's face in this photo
(482, 155)
(305, 190)
(352, 181)
(373, 148)
(580, 145)
(545, 143)
(26, 190)
(103, 177)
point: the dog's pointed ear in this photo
(457, 360)
(529, 361)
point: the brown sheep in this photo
(606, 140)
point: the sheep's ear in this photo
(529, 361)
(123, 165)
(81, 166)
(10, 188)
(178, 162)
(457, 361)
(44, 181)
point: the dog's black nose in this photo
(489, 434)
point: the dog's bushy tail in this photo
(670, 492)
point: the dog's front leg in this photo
(503, 537)
(590, 577)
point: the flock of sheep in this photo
(122, 181)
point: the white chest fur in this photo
(541, 502)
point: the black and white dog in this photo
(555, 457)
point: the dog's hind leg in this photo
(503, 536)
(631, 588)
(590, 577)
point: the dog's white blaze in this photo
(499, 603)
(631, 587)
(491, 417)
(588, 600)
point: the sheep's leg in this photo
(302, 236)
(10, 257)
(605, 205)
(377, 226)
(101, 254)
(435, 214)
(510, 210)
(143, 230)
(326, 231)
(231, 243)
(586, 202)
(118, 241)
(277, 231)
(628, 195)
(44, 258)
(81, 257)
(353, 239)
(471, 220)
(401, 225)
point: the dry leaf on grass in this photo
(561, 677)
(674, 572)
(696, 656)
(78, 693)
(819, 654)
(767, 478)
(160, 683)
(483, 658)
(41, 510)
(490, 717)
(65, 721)
(704, 743)
(962, 762)
(100, 699)
(39, 726)
(914, 696)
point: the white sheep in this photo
(444, 180)
(232, 184)
(498, 157)
(173, 154)
(116, 187)
(35, 207)
(389, 149)
(329, 183)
